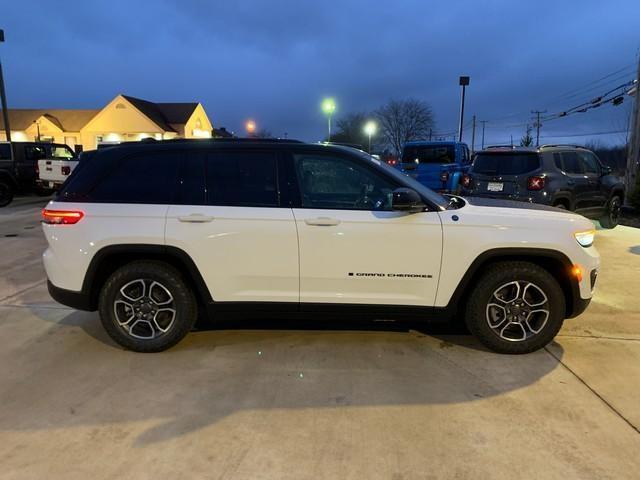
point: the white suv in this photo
(153, 235)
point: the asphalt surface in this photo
(300, 400)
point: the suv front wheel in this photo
(612, 216)
(146, 306)
(516, 307)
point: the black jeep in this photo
(563, 176)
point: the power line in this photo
(572, 93)
(568, 135)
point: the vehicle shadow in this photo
(75, 375)
(635, 249)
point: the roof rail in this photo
(204, 140)
(551, 145)
(501, 146)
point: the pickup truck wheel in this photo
(612, 216)
(516, 307)
(147, 306)
(6, 193)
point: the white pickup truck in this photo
(55, 168)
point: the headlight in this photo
(585, 238)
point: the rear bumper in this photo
(77, 300)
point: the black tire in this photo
(479, 307)
(157, 279)
(6, 193)
(44, 192)
(612, 216)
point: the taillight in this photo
(444, 176)
(66, 170)
(61, 217)
(465, 181)
(535, 183)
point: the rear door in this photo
(229, 218)
(577, 180)
(353, 248)
(425, 163)
(594, 193)
(503, 174)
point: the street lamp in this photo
(370, 129)
(464, 81)
(3, 98)
(328, 107)
(250, 126)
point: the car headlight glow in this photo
(585, 238)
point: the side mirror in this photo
(407, 200)
(606, 170)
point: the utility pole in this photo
(464, 81)
(473, 135)
(3, 98)
(633, 151)
(483, 122)
(537, 124)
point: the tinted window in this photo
(429, 154)
(5, 151)
(242, 179)
(34, 152)
(557, 159)
(330, 182)
(589, 163)
(505, 163)
(141, 178)
(192, 187)
(571, 162)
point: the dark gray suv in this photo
(563, 176)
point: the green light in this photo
(328, 106)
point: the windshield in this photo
(428, 154)
(496, 163)
(427, 193)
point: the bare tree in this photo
(527, 139)
(405, 120)
(350, 129)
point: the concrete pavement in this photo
(254, 400)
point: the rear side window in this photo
(140, 178)
(5, 151)
(571, 163)
(238, 178)
(36, 152)
(506, 163)
(429, 154)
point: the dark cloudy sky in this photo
(274, 60)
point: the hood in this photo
(496, 202)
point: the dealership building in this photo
(123, 119)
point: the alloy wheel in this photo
(517, 310)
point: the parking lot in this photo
(254, 400)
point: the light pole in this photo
(370, 129)
(464, 81)
(3, 98)
(250, 126)
(328, 107)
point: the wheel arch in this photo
(108, 259)
(555, 262)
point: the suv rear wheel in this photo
(612, 216)
(6, 193)
(147, 306)
(516, 307)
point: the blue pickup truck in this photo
(437, 165)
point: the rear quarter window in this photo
(139, 178)
(505, 163)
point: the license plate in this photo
(495, 186)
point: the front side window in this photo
(61, 152)
(330, 182)
(242, 178)
(143, 178)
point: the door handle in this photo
(195, 218)
(322, 221)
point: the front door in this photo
(353, 248)
(227, 217)
(594, 194)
